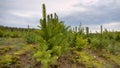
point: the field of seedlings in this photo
(55, 45)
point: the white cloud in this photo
(62, 7)
(26, 14)
(88, 2)
(112, 24)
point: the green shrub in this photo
(113, 47)
(80, 42)
(7, 34)
(7, 60)
(31, 38)
(95, 43)
(14, 34)
(44, 56)
(117, 38)
(1, 33)
(98, 44)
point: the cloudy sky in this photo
(91, 13)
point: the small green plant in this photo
(80, 42)
(14, 34)
(117, 38)
(8, 60)
(1, 33)
(30, 37)
(44, 56)
(98, 44)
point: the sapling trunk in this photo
(87, 31)
(101, 37)
(101, 31)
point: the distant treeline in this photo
(15, 32)
(15, 28)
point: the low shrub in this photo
(80, 43)
(1, 33)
